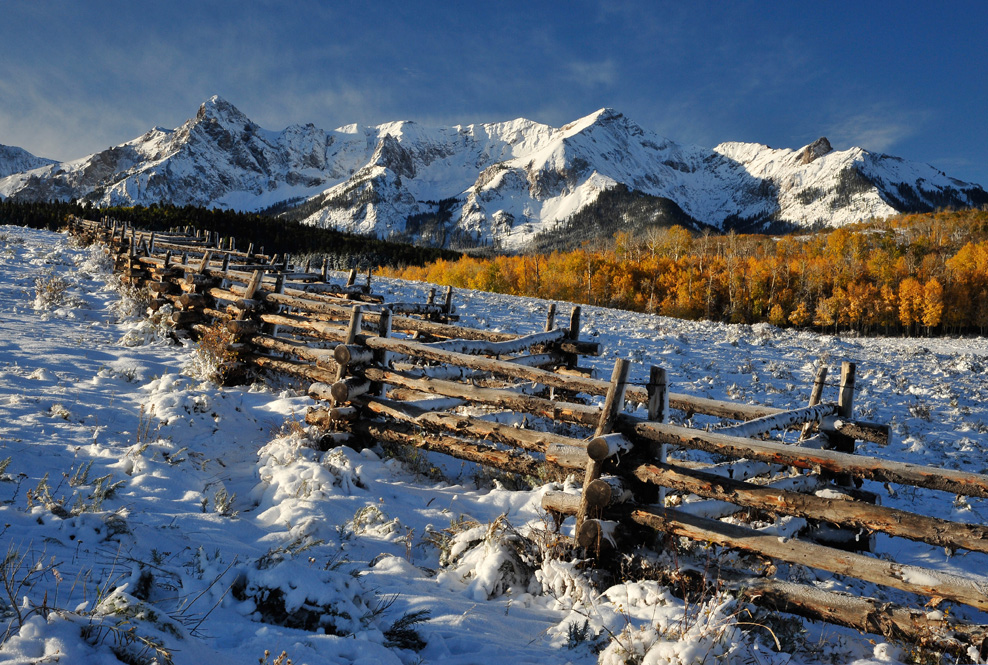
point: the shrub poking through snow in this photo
(134, 630)
(494, 560)
(49, 291)
(402, 634)
(214, 358)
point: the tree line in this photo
(912, 274)
(276, 236)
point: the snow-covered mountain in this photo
(16, 160)
(498, 183)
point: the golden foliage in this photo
(900, 274)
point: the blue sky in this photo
(907, 78)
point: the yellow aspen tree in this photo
(910, 302)
(800, 316)
(932, 303)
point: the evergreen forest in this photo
(266, 233)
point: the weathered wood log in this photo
(816, 396)
(575, 384)
(561, 503)
(715, 509)
(342, 414)
(352, 354)
(185, 318)
(879, 433)
(303, 370)
(402, 323)
(845, 407)
(922, 581)
(583, 372)
(192, 300)
(216, 315)
(532, 440)
(613, 405)
(255, 281)
(570, 457)
(851, 514)
(871, 468)
(318, 329)
(381, 358)
(160, 287)
(517, 345)
(597, 535)
(348, 389)
(328, 418)
(452, 372)
(657, 390)
(895, 623)
(555, 409)
(320, 417)
(508, 347)
(407, 434)
(607, 446)
(324, 357)
(601, 493)
(498, 367)
(241, 326)
(354, 326)
(784, 420)
(572, 357)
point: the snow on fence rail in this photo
(397, 373)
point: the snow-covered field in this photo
(146, 514)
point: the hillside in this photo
(495, 185)
(17, 160)
(151, 514)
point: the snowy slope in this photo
(17, 160)
(135, 495)
(496, 183)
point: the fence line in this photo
(396, 373)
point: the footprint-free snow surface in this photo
(147, 515)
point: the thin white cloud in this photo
(879, 129)
(594, 74)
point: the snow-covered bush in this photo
(49, 290)
(214, 356)
(493, 560)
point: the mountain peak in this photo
(818, 148)
(600, 116)
(217, 108)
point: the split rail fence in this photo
(399, 373)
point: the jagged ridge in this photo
(498, 184)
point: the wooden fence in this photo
(398, 372)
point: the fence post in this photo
(613, 404)
(381, 356)
(658, 411)
(351, 336)
(845, 409)
(816, 394)
(573, 359)
(447, 303)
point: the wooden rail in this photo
(397, 372)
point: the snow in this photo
(139, 496)
(510, 180)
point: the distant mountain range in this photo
(503, 184)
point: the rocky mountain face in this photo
(501, 184)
